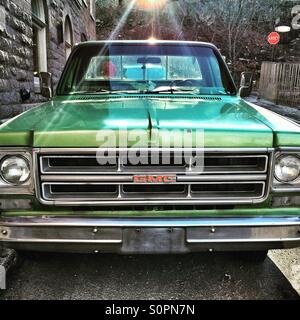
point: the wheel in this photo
(254, 256)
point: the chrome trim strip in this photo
(222, 178)
(83, 221)
(35, 173)
(285, 190)
(242, 240)
(127, 179)
(93, 150)
(87, 178)
(170, 201)
(84, 241)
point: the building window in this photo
(39, 36)
(68, 36)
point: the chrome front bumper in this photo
(148, 235)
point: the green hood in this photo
(88, 121)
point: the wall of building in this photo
(16, 46)
(82, 23)
(110, 3)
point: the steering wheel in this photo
(186, 82)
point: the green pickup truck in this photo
(148, 147)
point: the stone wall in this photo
(15, 52)
(16, 47)
(82, 23)
(111, 3)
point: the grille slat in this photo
(207, 163)
(155, 188)
(94, 191)
(70, 178)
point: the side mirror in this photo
(46, 84)
(246, 84)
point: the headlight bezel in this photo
(281, 185)
(284, 157)
(20, 156)
(26, 188)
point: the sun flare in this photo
(150, 4)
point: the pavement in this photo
(193, 276)
(288, 261)
(8, 258)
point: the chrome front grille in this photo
(75, 177)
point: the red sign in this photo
(273, 38)
(154, 179)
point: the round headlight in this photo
(15, 170)
(287, 168)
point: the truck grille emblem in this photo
(154, 179)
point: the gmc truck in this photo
(149, 147)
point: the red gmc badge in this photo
(154, 179)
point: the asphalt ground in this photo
(108, 276)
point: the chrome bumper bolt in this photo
(4, 232)
(95, 230)
(212, 230)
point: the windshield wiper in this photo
(104, 91)
(171, 89)
(90, 91)
(161, 89)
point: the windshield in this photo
(145, 68)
